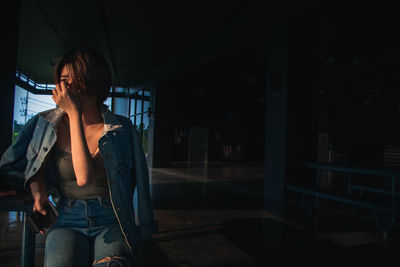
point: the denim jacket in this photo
(123, 157)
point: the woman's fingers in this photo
(39, 208)
(43, 211)
(55, 96)
(56, 90)
(58, 87)
(63, 88)
(65, 98)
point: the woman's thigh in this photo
(110, 248)
(66, 247)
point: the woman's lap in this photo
(75, 241)
(66, 247)
(110, 243)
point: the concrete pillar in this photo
(163, 133)
(9, 25)
(276, 109)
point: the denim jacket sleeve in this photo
(147, 224)
(13, 162)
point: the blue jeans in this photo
(85, 232)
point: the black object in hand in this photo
(38, 221)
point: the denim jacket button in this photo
(34, 169)
(45, 149)
(114, 134)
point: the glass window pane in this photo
(133, 107)
(19, 104)
(108, 102)
(119, 89)
(26, 105)
(39, 103)
(139, 106)
(41, 86)
(145, 116)
(23, 78)
(138, 122)
(121, 106)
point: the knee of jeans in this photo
(111, 261)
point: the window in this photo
(27, 105)
(140, 113)
(136, 105)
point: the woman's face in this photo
(65, 77)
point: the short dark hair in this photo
(89, 71)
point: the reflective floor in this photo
(213, 216)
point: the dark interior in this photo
(276, 84)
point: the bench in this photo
(379, 209)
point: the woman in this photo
(93, 159)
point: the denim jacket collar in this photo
(111, 122)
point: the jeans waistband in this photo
(101, 200)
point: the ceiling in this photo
(140, 44)
(144, 44)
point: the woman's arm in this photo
(37, 186)
(13, 162)
(38, 191)
(82, 161)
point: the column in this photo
(276, 109)
(9, 24)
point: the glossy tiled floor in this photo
(213, 216)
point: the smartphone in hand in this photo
(38, 221)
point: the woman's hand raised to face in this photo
(66, 99)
